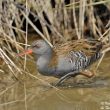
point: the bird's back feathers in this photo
(88, 47)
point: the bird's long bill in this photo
(29, 51)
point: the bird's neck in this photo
(42, 63)
(43, 60)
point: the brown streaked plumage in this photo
(88, 47)
(66, 60)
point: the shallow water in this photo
(78, 93)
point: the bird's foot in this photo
(65, 77)
(61, 80)
(87, 73)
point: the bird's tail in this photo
(97, 45)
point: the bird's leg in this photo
(87, 73)
(65, 77)
(61, 80)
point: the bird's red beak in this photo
(25, 52)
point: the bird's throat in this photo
(43, 60)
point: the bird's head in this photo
(38, 47)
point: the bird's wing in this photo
(88, 47)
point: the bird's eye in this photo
(36, 46)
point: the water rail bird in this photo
(67, 60)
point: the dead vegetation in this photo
(56, 21)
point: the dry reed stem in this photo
(25, 96)
(10, 87)
(81, 17)
(11, 102)
(75, 23)
(69, 6)
(26, 39)
(30, 22)
(107, 31)
(9, 62)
